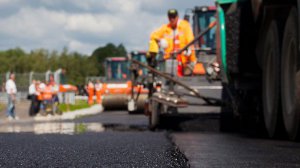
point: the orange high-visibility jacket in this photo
(47, 94)
(91, 88)
(183, 35)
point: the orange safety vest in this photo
(176, 39)
(47, 93)
(40, 91)
(39, 95)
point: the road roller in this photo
(118, 87)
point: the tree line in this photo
(78, 66)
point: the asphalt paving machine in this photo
(205, 46)
(163, 98)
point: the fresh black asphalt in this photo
(107, 149)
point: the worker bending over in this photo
(174, 36)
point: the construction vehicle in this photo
(205, 47)
(117, 87)
(202, 17)
(160, 79)
(139, 92)
(164, 97)
(258, 49)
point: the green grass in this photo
(80, 128)
(79, 104)
(2, 106)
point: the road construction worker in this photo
(55, 91)
(41, 89)
(98, 90)
(47, 98)
(32, 97)
(174, 36)
(91, 92)
(39, 97)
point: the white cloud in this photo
(7, 2)
(91, 23)
(32, 23)
(86, 48)
(83, 25)
(121, 6)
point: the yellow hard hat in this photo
(153, 46)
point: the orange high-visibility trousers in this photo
(91, 93)
(98, 97)
(91, 98)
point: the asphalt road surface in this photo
(107, 149)
(116, 139)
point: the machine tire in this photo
(155, 115)
(233, 40)
(290, 83)
(240, 39)
(228, 122)
(271, 81)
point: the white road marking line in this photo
(203, 87)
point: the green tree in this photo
(110, 50)
(77, 66)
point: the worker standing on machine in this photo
(174, 36)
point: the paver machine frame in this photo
(163, 94)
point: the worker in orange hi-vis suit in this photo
(39, 95)
(98, 89)
(91, 92)
(47, 93)
(47, 99)
(174, 36)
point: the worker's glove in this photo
(216, 67)
(163, 43)
(187, 52)
(213, 71)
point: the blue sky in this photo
(83, 25)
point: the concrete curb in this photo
(95, 109)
